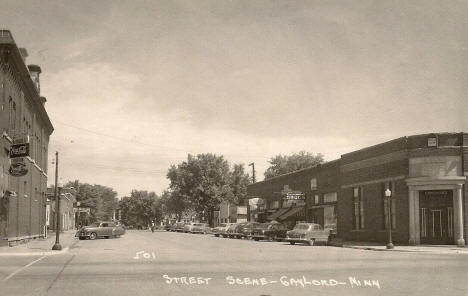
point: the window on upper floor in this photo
(330, 197)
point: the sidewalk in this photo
(434, 249)
(41, 246)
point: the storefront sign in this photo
(18, 167)
(84, 210)
(19, 150)
(294, 196)
(432, 142)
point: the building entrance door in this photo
(436, 216)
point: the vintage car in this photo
(235, 230)
(200, 228)
(247, 229)
(308, 233)
(100, 229)
(179, 227)
(269, 231)
(220, 230)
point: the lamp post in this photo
(57, 246)
(388, 195)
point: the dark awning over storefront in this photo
(290, 212)
(278, 213)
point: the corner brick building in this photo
(426, 175)
(23, 120)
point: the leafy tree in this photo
(283, 164)
(239, 180)
(139, 209)
(203, 181)
(172, 202)
(101, 200)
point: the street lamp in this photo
(57, 246)
(388, 196)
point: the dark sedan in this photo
(100, 229)
(270, 231)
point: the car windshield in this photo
(302, 227)
(94, 225)
(222, 225)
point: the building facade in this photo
(425, 176)
(230, 213)
(24, 122)
(67, 212)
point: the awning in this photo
(291, 212)
(277, 214)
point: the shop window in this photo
(358, 210)
(316, 199)
(388, 211)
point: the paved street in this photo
(166, 263)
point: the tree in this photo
(172, 202)
(203, 181)
(101, 200)
(283, 164)
(239, 180)
(138, 209)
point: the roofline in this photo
(356, 151)
(299, 171)
(25, 78)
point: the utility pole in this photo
(252, 164)
(57, 246)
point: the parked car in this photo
(235, 230)
(270, 231)
(247, 229)
(188, 227)
(220, 230)
(308, 233)
(200, 228)
(100, 229)
(179, 226)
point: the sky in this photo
(132, 87)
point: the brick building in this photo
(426, 176)
(23, 121)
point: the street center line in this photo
(22, 268)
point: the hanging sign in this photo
(18, 167)
(19, 150)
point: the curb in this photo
(403, 250)
(45, 253)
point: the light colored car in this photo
(220, 230)
(308, 233)
(100, 229)
(200, 228)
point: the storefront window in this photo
(358, 200)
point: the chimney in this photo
(24, 53)
(43, 100)
(34, 71)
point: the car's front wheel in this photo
(93, 235)
(292, 243)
